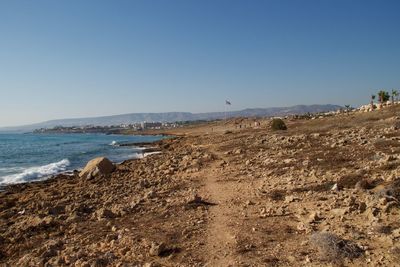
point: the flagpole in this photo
(227, 103)
(225, 112)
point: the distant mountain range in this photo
(176, 116)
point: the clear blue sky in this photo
(74, 58)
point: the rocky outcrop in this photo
(97, 166)
(264, 195)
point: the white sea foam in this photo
(11, 169)
(114, 143)
(143, 155)
(36, 173)
(151, 153)
(135, 156)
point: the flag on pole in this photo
(227, 102)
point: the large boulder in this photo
(97, 166)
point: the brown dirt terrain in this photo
(323, 193)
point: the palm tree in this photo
(372, 101)
(348, 108)
(394, 94)
(383, 97)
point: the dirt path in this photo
(221, 241)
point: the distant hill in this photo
(177, 116)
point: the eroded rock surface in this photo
(225, 194)
(97, 166)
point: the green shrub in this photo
(278, 124)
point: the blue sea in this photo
(32, 157)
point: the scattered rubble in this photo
(222, 195)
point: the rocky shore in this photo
(325, 192)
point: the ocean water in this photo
(32, 157)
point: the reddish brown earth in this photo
(220, 195)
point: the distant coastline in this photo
(176, 117)
(124, 129)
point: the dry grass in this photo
(277, 195)
(349, 181)
(333, 248)
(395, 253)
(271, 261)
(383, 229)
(315, 188)
(393, 189)
(365, 184)
(389, 166)
(384, 144)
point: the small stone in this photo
(314, 217)
(335, 187)
(105, 213)
(249, 203)
(290, 199)
(157, 249)
(340, 211)
(238, 151)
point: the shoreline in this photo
(144, 149)
(71, 173)
(222, 197)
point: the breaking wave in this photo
(114, 143)
(143, 155)
(36, 173)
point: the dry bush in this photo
(245, 246)
(395, 253)
(344, 126)
(392, 134)
(373, 119)
(389, 166)
(366, 184)
(350, 180)
(383, 229)
(333, 248)
(271, 261)
(393, 189)
(278, 124)
(277, 195)
(384, 144)
(396, 125)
